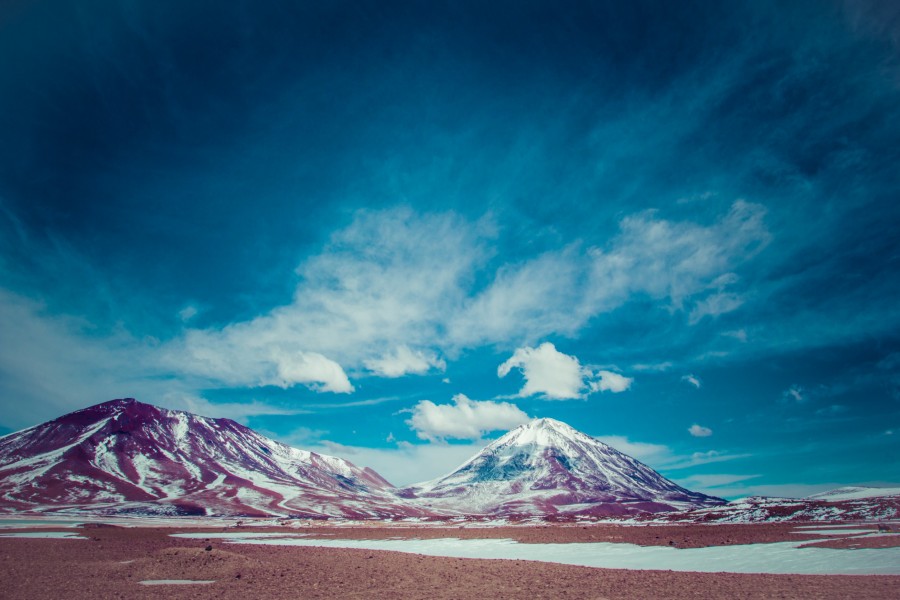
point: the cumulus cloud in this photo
(465, 419)
(699, 431)
(309, 368)
(403, 361)
(547, 371)
(608, 381)
(693, 380)
(556, 376)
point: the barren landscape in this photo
(110, 562)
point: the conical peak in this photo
(546, 423)
(541, 432)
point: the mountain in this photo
(124, 456)
(546, 467)
(854, 493)
(851, 504)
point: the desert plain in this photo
(108, 561)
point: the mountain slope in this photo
(126, 456)
(854, 493)
(547, 467)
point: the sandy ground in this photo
(113, 560)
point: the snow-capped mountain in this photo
(125, 456)
(854, 493)
(546, 467)
(843, 504)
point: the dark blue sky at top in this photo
(156, 156)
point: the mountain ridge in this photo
(125, 456)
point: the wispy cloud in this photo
(373, 299)
(693, 380)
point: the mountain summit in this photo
(125, 456)
(547, 467)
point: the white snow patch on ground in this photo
(776, 558)
(249, 535)
(56, 535)
(176, 581)
(831, 532)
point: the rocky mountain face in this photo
(125, 456)
(546, 467)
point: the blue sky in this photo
(392, 230)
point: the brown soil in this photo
(113, 560)
(888, 541)
(682, 536)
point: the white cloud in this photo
(309, 368)
(699, 431)
(608, 381)
(556, 376)
(675, 260)
(388, 280)
(431, 283)
(525, 301)
(404, 361)
(693, 380)
(795, 393)
(738, 334)
(51, 367)
(465, 419)
(715, 305)
(244, 355)
(395, 289)
(187, 313)
(547, 372)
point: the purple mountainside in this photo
(546, 467)
(124, 456)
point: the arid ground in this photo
(112, 561)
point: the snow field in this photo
(774, 558)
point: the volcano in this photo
(546, 467)
(126, 457)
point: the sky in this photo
(391, 231)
